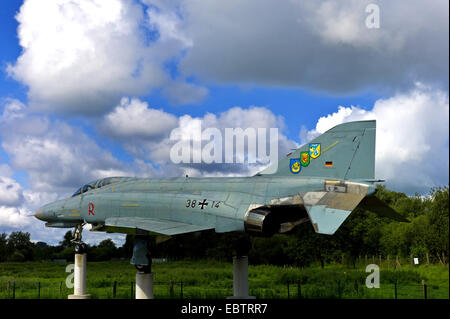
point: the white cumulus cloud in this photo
(82, 55)
(12, 217)
(58, 157)
(133, 118)
(11, 193)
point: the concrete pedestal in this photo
(240, 278)
(144, 285)
(79, 291)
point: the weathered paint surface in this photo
(324, 195)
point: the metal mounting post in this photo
(143, 262)
(240, 269)
(80, 266)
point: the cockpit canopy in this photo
(101, 183)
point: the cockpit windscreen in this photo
(101, 183)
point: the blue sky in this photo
(303, 67)
(9, 46)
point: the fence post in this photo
(299, 289)
(181, 290)
(60, 288)
(424, 290)
(39, 290)
(395, 289)
(9, 287)
(131, 291)
(114, 289)
(356, 287)
(171, 289)
(14, 290)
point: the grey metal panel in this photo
(259, 192)
(100, 209)
(228, 224)
(159, 226)
(196, 215)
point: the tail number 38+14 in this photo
(192, 203)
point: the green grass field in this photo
(211, 279)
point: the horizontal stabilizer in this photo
(158, 226)
(377, 206)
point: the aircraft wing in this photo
(154, 225)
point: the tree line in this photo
(17, 247)
(362, 234)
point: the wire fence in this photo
(31, 289)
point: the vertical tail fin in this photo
(347, 151)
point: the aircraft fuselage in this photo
(221, 204)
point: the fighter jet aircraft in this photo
(321, 182)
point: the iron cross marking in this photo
(203, 203)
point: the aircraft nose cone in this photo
(39, 215)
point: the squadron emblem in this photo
(304, 157)
(314, 150)
(295, 166)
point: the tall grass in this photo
(213, 279)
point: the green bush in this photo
(17, 256)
